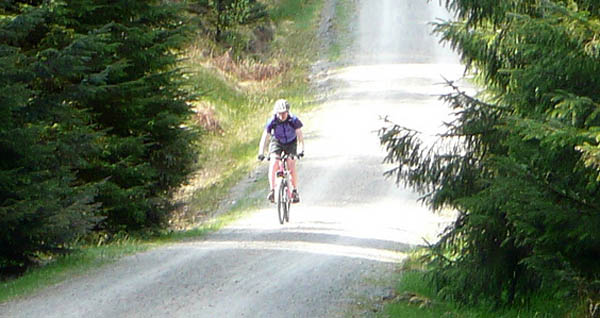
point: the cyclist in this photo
(285, 128)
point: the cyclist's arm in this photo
(300, 140)
(263, 142)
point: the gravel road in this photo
(344, 239)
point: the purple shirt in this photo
(283, 131)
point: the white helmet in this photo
(281, 105)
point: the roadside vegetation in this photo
(519, 165)
(416, 296)
(125, 128)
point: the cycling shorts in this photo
(277, 147)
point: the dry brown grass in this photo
(247, 70)
(206, 117)
(593, 308)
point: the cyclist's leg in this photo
(273, 168)
(274, 153)
(292, 166)
(294, 173)
(292, 149)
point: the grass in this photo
(238, 109)
(64, 267)
(416, 298)
(345, 13)
(295, 17)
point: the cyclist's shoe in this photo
(295, 196)
(271, 196)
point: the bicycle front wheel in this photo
(288, 203)
(281, 201)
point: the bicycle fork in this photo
(283, 180)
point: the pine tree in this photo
(94, 106)
(43, 141)
(135, 93)
(522, 167)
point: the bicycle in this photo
(284, 194)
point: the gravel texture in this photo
(344, 239)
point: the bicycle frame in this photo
(284, 193)
(283, 171)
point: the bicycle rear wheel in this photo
(281, 201)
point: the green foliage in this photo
(222, 17)
(43, 141)
(521, 165)
(134, 93)
(418, 299)
(93, 110)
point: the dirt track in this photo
(343, 240)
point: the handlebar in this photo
(284, 156)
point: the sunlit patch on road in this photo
(379, 255)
